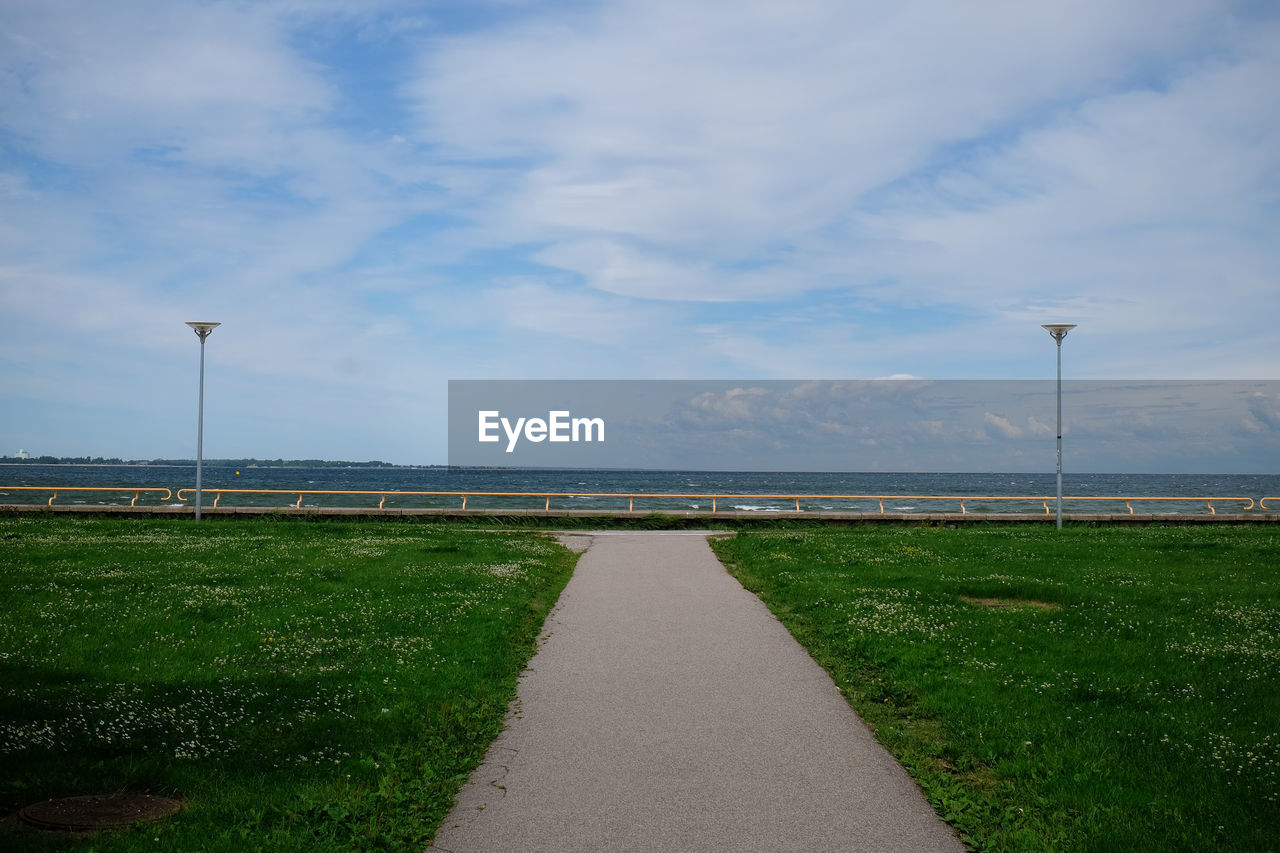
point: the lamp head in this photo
(1058, 330)
(201, 329)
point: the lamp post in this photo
(202, 331)
(1059, 331)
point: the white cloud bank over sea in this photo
(377, 196)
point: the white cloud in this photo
(1107, 162)
(589, 317)
(1002, 425)
(1036, 427)
(712, 139)
(90, 81)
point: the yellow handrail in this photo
(137, 491)
(1044, 501)
(184, 494)
(1208, 501)
(1262, 504)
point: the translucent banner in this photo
(866, 425)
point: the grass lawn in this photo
(322, 686)
(1094, 689)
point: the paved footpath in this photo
(668, 710)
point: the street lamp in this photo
(202, 331)
(1059, 331)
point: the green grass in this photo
(300, 686)
(1128, 698)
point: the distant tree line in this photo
(221, 463)
(64, 460)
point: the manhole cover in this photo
(98, 811)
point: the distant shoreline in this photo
(217, 463)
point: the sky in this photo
(374, 197)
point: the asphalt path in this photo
(668, 710)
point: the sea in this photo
(690, 490)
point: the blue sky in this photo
(376, 197)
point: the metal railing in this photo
(137, 491)
(1128, 502)
(1046, 501)
(715, 499)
